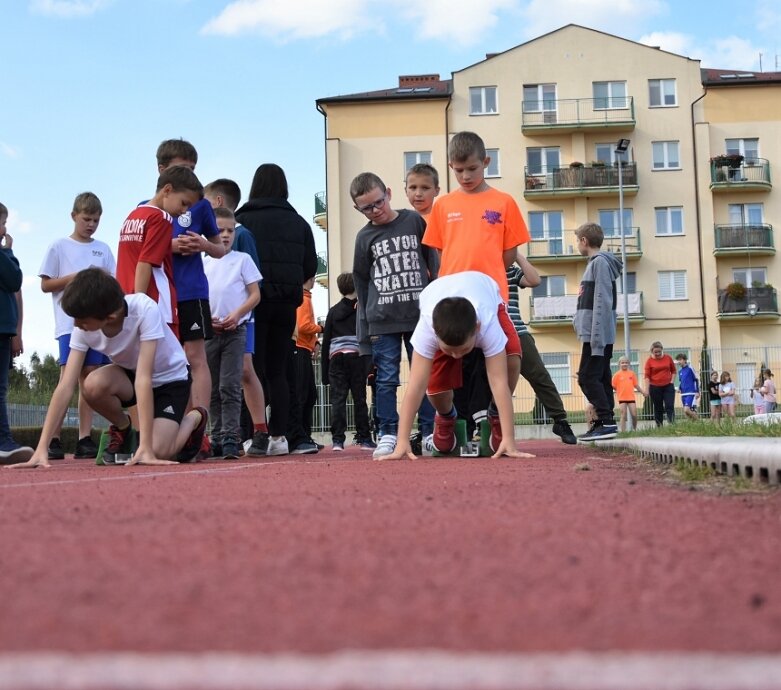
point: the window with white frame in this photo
(609, 95)
(672, 285)
(414, 157)
(609, 220)
(746, 214)
(661, 93)
(748, 148)
(493, 165)
(558, 366)
(551, 286)
(666, 155)
(669, 220)
(540, 161)
(631, 283)
(483, 100)
(606, 153)
(539, 98)
(750, 277)
(548, 226)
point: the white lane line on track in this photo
(392, 670)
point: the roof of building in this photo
(734, 77)
(411, 87)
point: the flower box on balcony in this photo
(732, 160)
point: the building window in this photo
(672, 285)
(750, 277)
(746, 214)
(666, 155)
(608, 219)
(609, 95)
(540, 98)
(548, 226)
(483, 100)
(414, 157)
(493, 165)
(550, 286)
(748, 148)
(669, 220)
(661, 93)
(558, 366)
(631, 283)
(540, 161)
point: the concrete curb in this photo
(758, 459)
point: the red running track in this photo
(317, 554)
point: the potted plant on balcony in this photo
(576, 164)
(736, 291)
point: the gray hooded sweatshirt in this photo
(595, 318)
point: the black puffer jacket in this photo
(286, 248)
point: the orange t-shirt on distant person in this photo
(306, 326)
(472, 231)
(624, 384)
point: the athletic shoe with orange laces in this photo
(444, 437)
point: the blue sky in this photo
(91, 87)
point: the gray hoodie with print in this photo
(595, 318)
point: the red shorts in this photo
(447, 372)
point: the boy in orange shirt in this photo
(625, 384)
(476, 228)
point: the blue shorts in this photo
(249, 347)
(93, 358)
(688, 400)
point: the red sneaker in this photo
(193, 444)
(496, 432)
(444, 439)
(205, 450)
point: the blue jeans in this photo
(386, 352)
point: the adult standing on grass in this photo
(286, 249)
(659, 374)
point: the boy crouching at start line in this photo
(148, 369)
(459, 312)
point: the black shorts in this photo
(195, 320)
(170, 399)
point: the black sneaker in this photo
(56, 451)
(230, 450)
(416, 442)
(86, 448)
(304, 448)
(562, 429)
(320, 446)
(599, 432)
(259, 444)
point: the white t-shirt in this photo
(228, 279)
(482, 291)
(144, 321)
(66, 256)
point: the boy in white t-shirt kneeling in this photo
(459, 312)
(234, 292)
(148, 369)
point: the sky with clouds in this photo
(91, 87)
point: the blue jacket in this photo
(10, 283)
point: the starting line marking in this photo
(392, 670)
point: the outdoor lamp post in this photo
(621, 148)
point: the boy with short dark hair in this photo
(63, 259)
(458, 313)
(344, 368)
(148, 370)
(595, 325)
(390, 269)
(422, 187)
(689, 386)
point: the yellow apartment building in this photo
(692, 194)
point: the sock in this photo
(452, 413)
(260, 427)
(492, 410)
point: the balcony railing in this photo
(765, 299)
(556, 249)
(581, 180)
(561, 309)
(321, 209)
(579, 113)
(752, 174)
(321, 277)
(756, 238)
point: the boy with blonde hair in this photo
(422, 187)
(625, 384)
(63, 259)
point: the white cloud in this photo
(723, 52)
(8, 150)
(67, 8)
(463, 21)
(300, 19)
(17, 225)
(768, 17)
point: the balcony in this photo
(574, 114)
(755, 238)
(764, 298)
(549, 250)
(558, 311)
(748, 175)
(580, 180)
(321, 277)
(321, 208)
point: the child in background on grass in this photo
(757, 397)
(727, 393)
(422, 187)
(689, 387)
(148, 370)
(715, 398)
(769, 392)
(63, 259)
(625, 385)
(233, 294)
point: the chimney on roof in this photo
(410, 81)
(488, 56)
